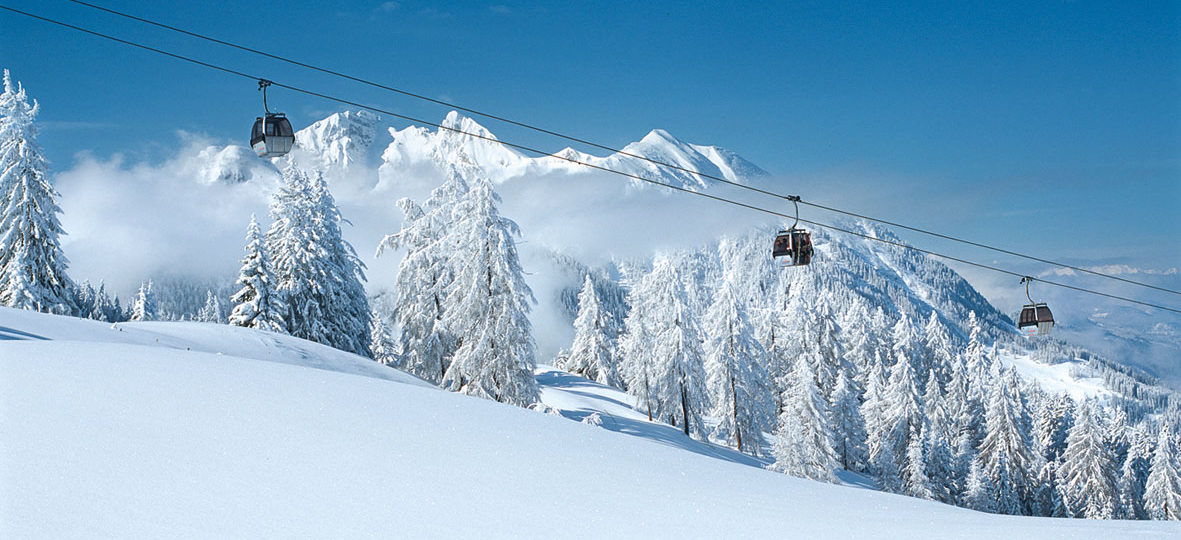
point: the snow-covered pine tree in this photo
(803, 439)
(737, 383)
(381, 343)
(906, 343)
(144, 308)
(295, 252)
(902, 416)
(591, 354)
(487, 305)
(1054, 419)
(1047, 497)
(1006, 455)
(256, 305)
(32, 266)
(821, 329)
(861, 340)
(849, 434)
(937, 344)
(636, 345)
(1115, 434)
(344, 306)
(773, 334)
(211, 311)
(873, 411)
(1134, 474)
(978, 490)
(424, 277)
(677, 376)
(915, 481)
(1162, 493)
(967, 391)
(1087, 473)
(105, 308)
(318, 276)
(940, 465)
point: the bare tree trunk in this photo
(737, 431)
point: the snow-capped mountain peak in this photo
(341, 139)
(461, 139)
(227, 165)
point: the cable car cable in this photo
(615, 150)
(575, 161)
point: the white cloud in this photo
(1114, 270)
(127, 223)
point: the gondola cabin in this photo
(792, 248)
(272, 136)
(1035, 320)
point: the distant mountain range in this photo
(356, 149)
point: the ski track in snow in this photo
(192, 430)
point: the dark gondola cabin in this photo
(272, 136)
(1035, 320)
(792, 248)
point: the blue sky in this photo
(1051, 127)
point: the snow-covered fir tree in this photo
(32, 266)
(861, 338)
(381, 344)
(915, 481)
(967, 391)
(938, 346)
(940, 466)
(591, 354)
(144, 308)
(979, 493)
(1047, 496)
(848, 425)
(1133, 475)
(318, 275)
(873, 411)
(211, 311)
(256, 304)
(1054, 419)
(901, 418)
(96, 304)
(803, 439)
(821, 335)
(424, 277)
(940, 461)
(345, 304)
(676, 372)
(1006, 455)
(1162, 492)
(737, 383)
(907, 343)
(488, 304)
(1087, 474)
(636, 344)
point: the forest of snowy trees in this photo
(837, 366)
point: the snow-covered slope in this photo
(108, 434)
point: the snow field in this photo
(111, 434)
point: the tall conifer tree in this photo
(32, 266)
